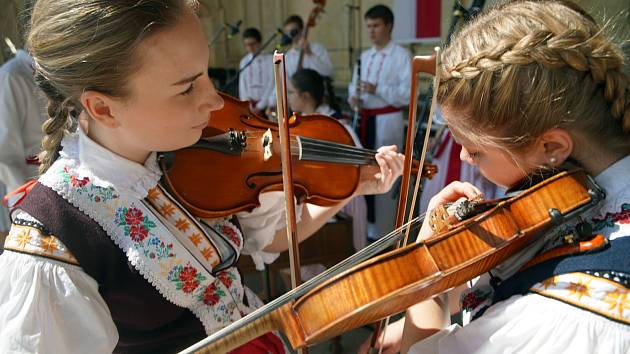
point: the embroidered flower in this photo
(187, 274)
(473, 299)
(186, 278)
(212, 295)
(138, 233)
(622, 217)
(78, 182)
(231, 234)
(226, 278)
(190, 286)
(133, 216)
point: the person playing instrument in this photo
(530, 85)
(385, 75)
(307, 93)
(99, 257)
(255, 83)
(315, 55)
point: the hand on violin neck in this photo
(451, 193)
(380, 179)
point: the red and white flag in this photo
(416, 20)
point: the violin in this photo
(238, 157)
(390, 283)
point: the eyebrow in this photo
(187, 80)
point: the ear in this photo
(556, 146)
(101, 108)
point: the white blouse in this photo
(54, 307)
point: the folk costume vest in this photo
(167, 279)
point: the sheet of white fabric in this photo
(49, 306)
(256, 82)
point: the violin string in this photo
(317, 142)
(304, 288)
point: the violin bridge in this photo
(266, 141)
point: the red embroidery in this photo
(138, 233)
(133, 216)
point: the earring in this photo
(552, 160)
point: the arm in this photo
(352, 87)
(397, 93)
(242, 82)
(66, 315)
(13, 101)
(320, 60)
(373, 180)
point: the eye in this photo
(474, 155)
(189, 89)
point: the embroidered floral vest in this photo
(164, 293)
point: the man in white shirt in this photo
(315, 55)
(255, 82)
(384, 89)
(21, 117)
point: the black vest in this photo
(146, 321)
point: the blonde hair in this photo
(525, 67)
(80, 45)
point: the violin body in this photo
(213, 184)
(390, 283)
(240, 158)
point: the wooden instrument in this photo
(312, 18)
(240, 152)
(389, 283)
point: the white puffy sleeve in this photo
(51, 307)
(260, 225)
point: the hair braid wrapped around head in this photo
(527, 66)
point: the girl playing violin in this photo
(100, 258)
(531, 85)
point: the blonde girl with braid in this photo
(100, 258)
(532, 85)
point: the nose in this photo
(463, 154)
(212, 102)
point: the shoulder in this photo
(400, 51)
(29, 236)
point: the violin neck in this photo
(309, 149)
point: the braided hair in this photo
(525, 67)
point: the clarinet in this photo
(357, 90)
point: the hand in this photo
(454, 191)
(379, 179)
(305, 46)
(354, 102)
(391, 343)
(368, 87)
